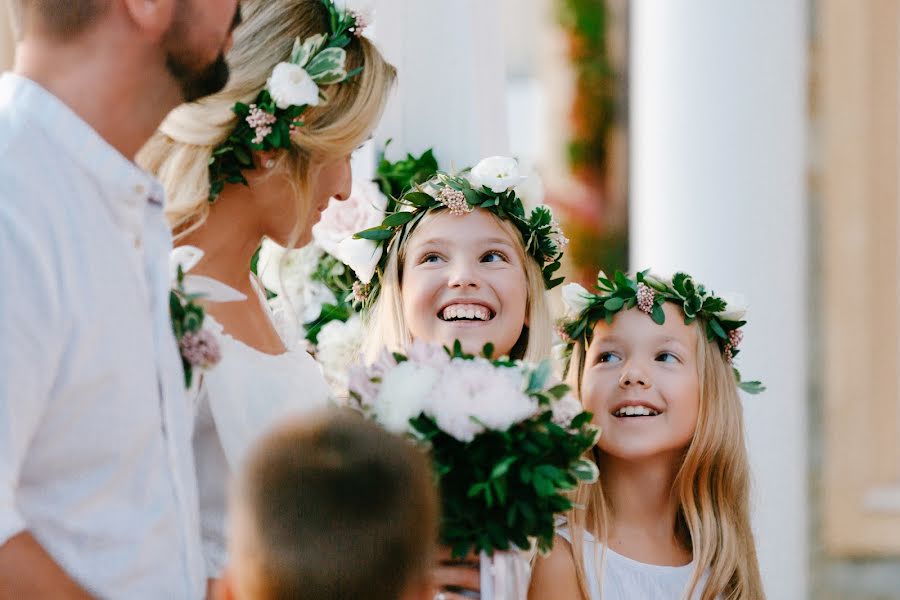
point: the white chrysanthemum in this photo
(292, 277)
(474, 394)
(403, 395)
(497, 173)
(290, 85)
(565, 409)
(576, 298)
(337, 348)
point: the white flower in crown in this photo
(404, 394)
(458, 403)
(497, 173)
(362, 10)
(576, 298)
(290, 85)
(735, 307)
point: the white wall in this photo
(451, 92)
(718, 183)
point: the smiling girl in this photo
(670, 515)
(465, 260)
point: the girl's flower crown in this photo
(267, 123)
(491, 186)
(722, 318)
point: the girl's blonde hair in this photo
(179, 153)
(712, 485)
(386, 327)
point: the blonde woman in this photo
(669, 518)
(466, 261)
(262, 158)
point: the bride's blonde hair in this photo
(386, 327)
(179, 153)
(712, 486)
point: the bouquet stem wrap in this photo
(505, 575)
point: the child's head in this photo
(331, 508)
(476, 275)
(662, 385)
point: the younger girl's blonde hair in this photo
(386, 327)
(179, 153)
(712, 486)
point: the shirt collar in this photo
(126, 189)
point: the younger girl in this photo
(465, 260)
(669, 517)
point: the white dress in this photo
(238, 400)
(627, 579)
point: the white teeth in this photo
(636, 411)
(465, 311)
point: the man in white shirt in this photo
(97, 487)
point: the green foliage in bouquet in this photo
(505, 488)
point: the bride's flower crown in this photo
(268, 122)
(721, 317)
(491, 185)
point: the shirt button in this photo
(137, 242)
(139, 189)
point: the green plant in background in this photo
(395, 178)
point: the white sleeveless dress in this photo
(236, 402)
(626, 579)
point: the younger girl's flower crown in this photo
(267, 123)
(721, 318)
(491, 185)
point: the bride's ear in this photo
(266, 159)
(151, 18)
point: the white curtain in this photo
(451, 89)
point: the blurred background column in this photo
(7, 42)
(451, 89)
(718, 180)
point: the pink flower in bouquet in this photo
(428, 354)
(473, 395)
(565, 409)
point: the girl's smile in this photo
(464, 278)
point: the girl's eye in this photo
(607, 357)
(430, 258)
(666, 357)
(494, 256)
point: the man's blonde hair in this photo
(332, 508)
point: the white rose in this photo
(735, 307)
(403, 395)
(290, 85)
(576, 298)
(338, 347)
(497, 173)
(288, 273)
(360, 255)
(565, 409)
(341, 220)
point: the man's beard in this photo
(197, 82)
(195, 77)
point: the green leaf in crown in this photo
(721, 316)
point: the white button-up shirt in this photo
(95, 429)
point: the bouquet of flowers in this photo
(507, 440)
(315, 292)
